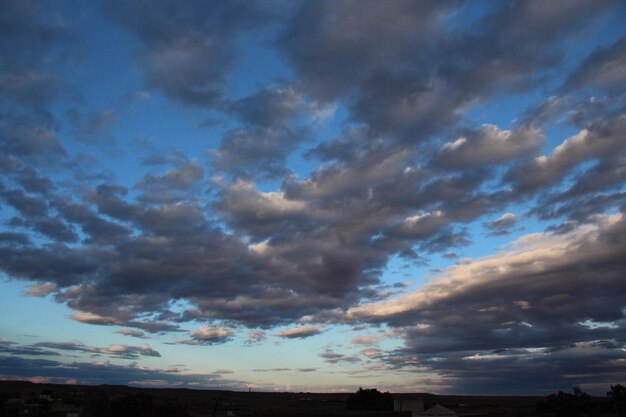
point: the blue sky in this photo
(314, 195)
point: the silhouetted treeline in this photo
(581, 404)
(369, 400)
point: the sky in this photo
(314, 195)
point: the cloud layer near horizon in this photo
(243, 239)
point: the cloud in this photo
(530, 259)
(114, 350)
(255, 336)
(365, 340)
(30, 139)
(502, 225)
(605, 68)
(543, 371)
(333, 357)
(299, 332)
(182, 182)
(269, 107)
(13, 348)
(507, 308)
(332, 48)
(180, 177)
(133, 333)
(96, 373)
(256, 152)
(41, 290)
(32, 182)
(406, 168)
(259, 213)
(372, 353)
(489, 145)
(35, 43)
(272, 370)
(186, 51)
(414, 76)
(96, 228)
(600, 140)
(92, 318)
(209, 336)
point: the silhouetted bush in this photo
(369, 400)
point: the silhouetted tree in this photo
(563, 404)
(618, 396)
(369, 400)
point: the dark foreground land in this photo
(18, 398)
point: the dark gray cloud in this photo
(256, 152)
(37, 47)
(410, 78)
(111, 290)
(408, 171)
(29, 206)
(14, 238)
(334, 46)
(269, 107)
(606, 174)
(489, 145)
(599, 140)
(604, 69)
(476, 321)
(320, 242)
(32, 182)
(183, 181)
(115, 350)
(55, 229)
(13, 348)
(592, 191)
(583, 209)
(509, 371)
(34, 214)
(272, 128)
(32, 43)
(333, 357)
(187, 50)
(96, 373)
(96, 228)
(52, 262)
(502, 225)
(30, 139)
(260, 214)
(543, 301)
